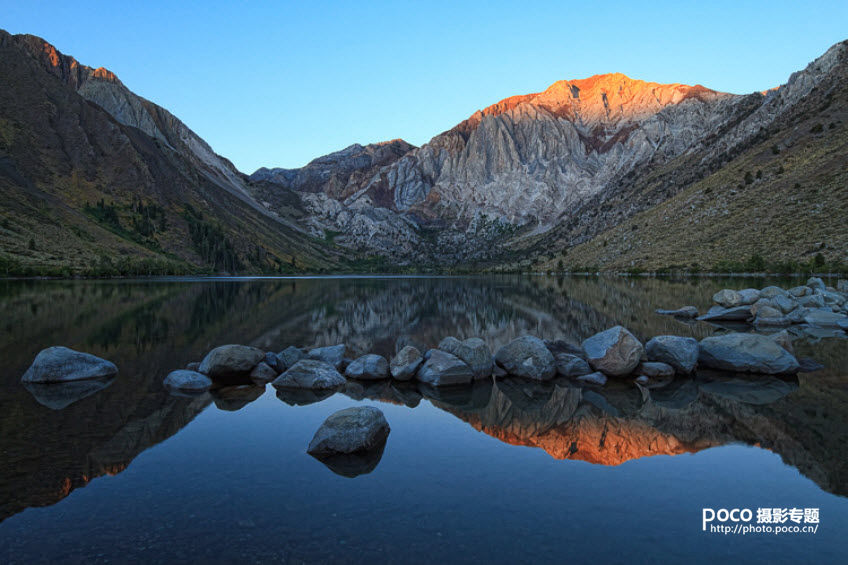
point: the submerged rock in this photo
(309, 373)
(527, 357)
(188, 381)
(685, 312)
(405, 364)
(351, 430)
(681, 353)
(368, 367)
(444, 369)
(746, 353)
(473, 352)
(60, 364)
(231, 361)
(615, 352)
(568, 365)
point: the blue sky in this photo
(279, 83)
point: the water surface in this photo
(500, 472)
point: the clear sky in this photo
(280, 83)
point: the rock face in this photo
(351, 430)
(443, 369)
(368, 367)
(309, 373)
(681, 353)
(473, 351)
(406, 363)
(615, 352)
(231, 361)
(60, 364)
(188, 381)
(527, 357)
(746, 353)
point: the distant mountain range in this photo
(602, 173)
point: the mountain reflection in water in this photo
(53, 442)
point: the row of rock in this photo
(815, 304)
(613, 353)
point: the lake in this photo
(503, 471)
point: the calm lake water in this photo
(501, 472)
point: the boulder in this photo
(369, 367)
(188, 381)
(749, 296)
(772, 291)
(824, 319)
(681, 353)
(309, 373)
(527, 357)
(800, 291)
(406, 363)
(615, 352)
(289, 356)
(60, 364)
(685, 312)
(831, 298)
(331, 354)
(443, 369)
(568, 365)
(767, 311)
(746, 353)
(596, 378)
(473, 351)
(717, 313)
(727, 298)
(784, 303)
(816, 283)
(263, 374)
(273, 361)
(656, 370)
(194, 366)
(352, 430)
(811, 301)
(231, 361)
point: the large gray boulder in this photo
(568, 365)
(816, 283)
(527, 357)
(746, 353)
(444, 369)
(824, 319)
(811, 301)
(351, 430)
(405, 364)
(263, 374)
(772, 291)
(228, 361)
(737, 314)
(309, 373)
(60, 364)
(369, 367)
(727, 298)
(615, 352)
(784, 303)
(289, 356)
(473, 351)
(749, 296)
(678, 352)
(190, 381)
(331, 354)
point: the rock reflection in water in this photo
(352, 465)
(58, 396)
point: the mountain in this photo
(527, 180)
(98, 180)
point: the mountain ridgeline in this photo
(605, 173)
